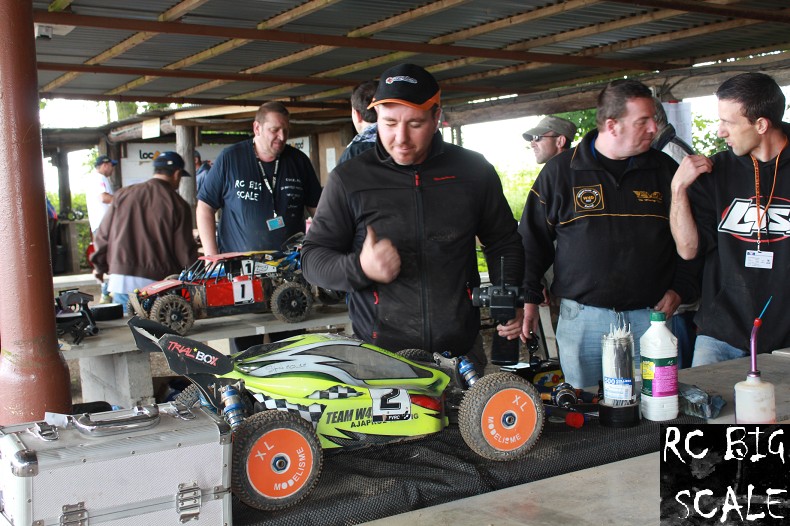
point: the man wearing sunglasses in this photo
(550, 137)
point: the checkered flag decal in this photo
(335, 393)
(311, 413)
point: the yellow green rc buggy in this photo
(288, 401)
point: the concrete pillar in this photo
(34, 377)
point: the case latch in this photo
(188, 502)
(74, 515)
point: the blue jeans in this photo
(123, 299)
(682, 326)
(709, 350)
(579, 333)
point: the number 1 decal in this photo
(247, 266)
(242, 292)
(390, 404)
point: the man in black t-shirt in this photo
(263, 187)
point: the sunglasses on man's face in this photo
(538, 138)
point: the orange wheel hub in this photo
(279, 463)
(509, 419)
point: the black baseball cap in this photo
(407, 84)
(171, 160)
(104, 159)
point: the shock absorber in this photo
(232, 407)
(467, 371)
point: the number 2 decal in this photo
(390, 404)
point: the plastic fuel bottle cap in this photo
(658, 316)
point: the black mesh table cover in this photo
(368, 484)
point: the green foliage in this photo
(84, 238)
(704, 136)
(126, 109)
(157, 106)
(583, 119)
(516, 187)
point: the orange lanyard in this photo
(761, 213)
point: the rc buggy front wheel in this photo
(277, 460)
(501, 416)
(174, 312)
(291, 302)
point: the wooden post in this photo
(185, 146)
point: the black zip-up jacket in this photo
(614, 246)
(432, 214)
(724, 207)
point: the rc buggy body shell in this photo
(354, 393)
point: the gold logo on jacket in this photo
(649, 197)
(588, 198)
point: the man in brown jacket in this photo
(147, 232)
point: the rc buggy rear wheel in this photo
(291, 302)
(277, 460)
(501, 416)
(417, 355)
(173, 311)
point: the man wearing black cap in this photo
(397, 224)
(147, 232)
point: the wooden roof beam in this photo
(747, 13)
(364, 31)
(229, 45)
(332, 40)
(174, 13)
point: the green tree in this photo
(84, 237)
(583, 119)
(704, 137)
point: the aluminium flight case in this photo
(154, 465)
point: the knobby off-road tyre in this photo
(277, 460)
(330, 297)
(190, 396)
(417, 355)
(173, 311)
(501, 417)
(291, 302)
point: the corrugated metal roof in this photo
(529, 45)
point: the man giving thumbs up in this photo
(396, 228)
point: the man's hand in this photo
(512, 329)
(691, 167)
(98, 275)
(531, 320)
(546, 298)
(379, 259)
(669, 303)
